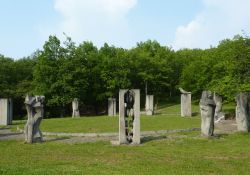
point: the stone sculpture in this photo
(149, 107)
(218, 115)
(207, 108)
(129, 116)
(6, 111)
(35, 112)
(186, 108)
(243, 111)
(75, 108)
(111, 106)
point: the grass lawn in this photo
(168, 118)
(110, 124)
(183, 153)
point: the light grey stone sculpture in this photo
(111, 106)
(243, 111)
(207, 108)
(218, 115)
(149, 107)
(35, 112)
(6, 111)
(186, 106)
(129, 116)
(75, 108)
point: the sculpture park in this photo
(91, 87)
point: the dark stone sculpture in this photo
(35, 112)
(129, 100)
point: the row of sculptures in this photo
(129, 115)
(210, 107)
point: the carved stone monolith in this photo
(111, 106)
(129, 116)
(186, 107)
(243, 111)
(6, 111)
(207, 108)
(35, 112)
(149, 107)
(218, 115)
(75, 108)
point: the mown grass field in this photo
(179, 153)
(176, 154)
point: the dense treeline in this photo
(63, 71)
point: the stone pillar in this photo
(218, 115)
(6, 111)
(186, 107)
(243, 111)
(35, 112)
(207, 108)
(111, 106)
(129, 116)
(75, 108)
(149, 107)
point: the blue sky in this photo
(26, 24)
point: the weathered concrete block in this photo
(6, 111)
(207, 108)
(129, 116)
(111, 106)
(35, 112)
(149, 107)
(75, 108)
(243, 111)
(186, 106)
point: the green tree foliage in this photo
(64, 71)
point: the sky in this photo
(25, 25)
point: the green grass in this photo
(110, 124)
(168, 118)
(178, 153)
(190, 154)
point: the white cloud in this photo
(95, 20)
(219, 19)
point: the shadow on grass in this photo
(57, 139)
(152, 138)
(195, 114)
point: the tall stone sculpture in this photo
(218, 115)
(129, 116)
(149, 107)
(35, 112)
(75, 108)
(243, 111)
(111, 106)
(207, 108)
(186, 108)
(6, 111)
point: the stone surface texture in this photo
(207, 109)
(129, 116)
(6, 111)
(35, 112)
(75, 108)
(218, 115)
(111, 106)
(186, 106)
(149, 107)
(243, 111)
